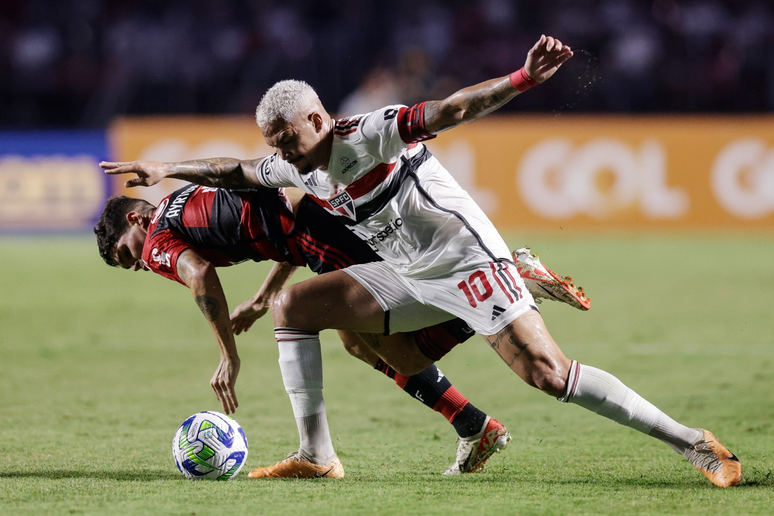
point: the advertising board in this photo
(546, 172)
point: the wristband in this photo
(521, 80)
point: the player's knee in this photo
(284, 308)
(549, 378)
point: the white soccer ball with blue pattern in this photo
(211, 446)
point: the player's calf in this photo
(399, 350)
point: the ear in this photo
(317, 121)
(136, 218)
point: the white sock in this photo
(301, 366)
(603, 393)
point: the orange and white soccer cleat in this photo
(473, 452)
(714, 460)
(294, 466)
(543, 283)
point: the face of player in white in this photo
(128, 250)
(305, 142)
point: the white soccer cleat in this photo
(543, 283)
(473, 452)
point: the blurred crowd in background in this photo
(78, 63)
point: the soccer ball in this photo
(209, 445)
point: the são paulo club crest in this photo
(343, 204)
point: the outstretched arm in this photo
(218, 172)
(201, 278)
(474, 102)
(256, 307)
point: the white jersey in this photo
(389, 190)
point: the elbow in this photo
(201, 275)
(453, 114)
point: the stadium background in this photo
(645, 168)
(89, 69)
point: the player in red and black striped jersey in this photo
(197, 228)
(227, 227)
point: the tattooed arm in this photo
(218, 172)
(477, 101)
(201, 278)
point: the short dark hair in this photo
(112, 224)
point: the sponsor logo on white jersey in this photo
(347, 165)
(382, 235)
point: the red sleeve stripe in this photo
(342, 132)
(344, 123)
(346, 126)
(411, 124)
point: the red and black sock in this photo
(433, 389)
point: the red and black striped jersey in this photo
(224, 227)
(228, 227)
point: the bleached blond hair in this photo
(283, 101)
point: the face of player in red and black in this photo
(128, 250)
(304, 143)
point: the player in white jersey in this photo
(441, 254)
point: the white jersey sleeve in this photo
(386, 132)
(379, 131)
(274, 172)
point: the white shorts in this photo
(487, 297)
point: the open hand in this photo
(148, 172)
(243, 316)
(545, 58)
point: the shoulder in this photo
(367, 124)
(274, 172)
(162, 247)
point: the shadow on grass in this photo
(126, 476)
(752, 479)
(758, 478)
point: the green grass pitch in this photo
(100, 366)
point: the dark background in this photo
(78, 63)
